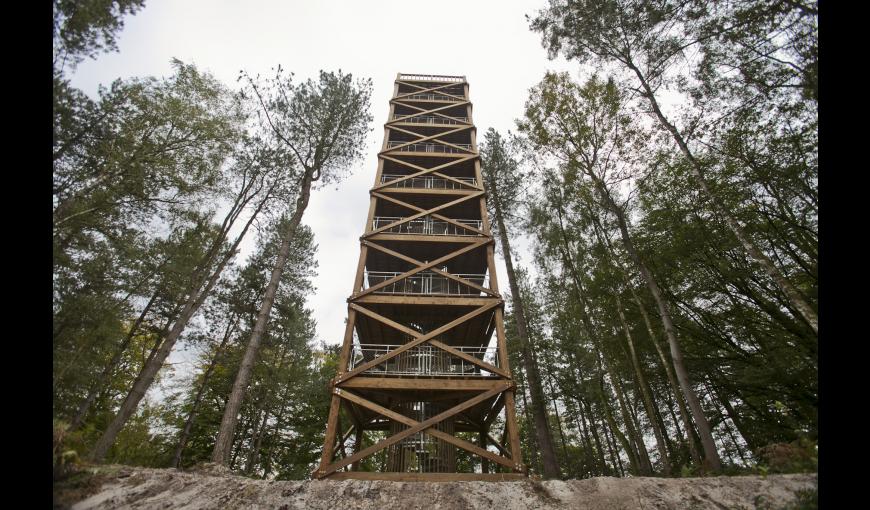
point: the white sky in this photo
(487, 41)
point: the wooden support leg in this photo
(331, 429)
(481, 441)
(357, 446)
(512, 431)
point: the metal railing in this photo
(427, 226)
(431, 77)
(431, 119)
(425, 360)
(428, 147)
(426, 283)
(427, 182)
(430, 97)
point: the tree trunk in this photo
(149, 371)
(191, 417)
(648, 403)
(792, 294)
(711, 455)
(223, 443)
(97, 385)
(644, 465)
(542, 426)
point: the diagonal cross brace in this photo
(423, 171)
(419, 340)
(444, 347)
(435, 270)
(465, 445)
(476, 194)
(420, 209)
(429, 265)
(380, 445)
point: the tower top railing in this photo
(431, 77)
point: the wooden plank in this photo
(424, 300)
(493, 412)
(498, 444)
(465, 445)
(511, 425)
(420, 238)
(429, 477)
(403, 383)
(380, 445)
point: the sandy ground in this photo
(109, 487)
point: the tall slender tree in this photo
(504, 184)
(323, 124)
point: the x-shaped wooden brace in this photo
(434, 138)
(411, 260)
(414, 426)
(423, 90)
(424, 212)
(425, 171)
(423, 111)
(420, 338)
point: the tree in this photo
(503, 182)
(646, 38)
(81, 28)
(256, 177)
(323, 124)
(586, 129)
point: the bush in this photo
(799, 456)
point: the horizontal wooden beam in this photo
(427, 300)
(404, 383)
(417, 238)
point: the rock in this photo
(211, 486)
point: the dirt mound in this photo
(108, 487)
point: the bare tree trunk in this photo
(149, 371)
(644, 463)
(542, 426)
(223, 443)
(672, 380)
(711, 455)
(614, 430)
(191, 417)
(645, 391)
(794, 296)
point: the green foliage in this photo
(82, 28)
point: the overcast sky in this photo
(487, 41)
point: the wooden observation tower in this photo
(424, 356)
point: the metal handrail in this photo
(427, 182)
(430, 119)
(425, 360)
(430, 97)
(426, 283)
(427, 226)
(431, 77)
(428, 147)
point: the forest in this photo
(666, 323)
